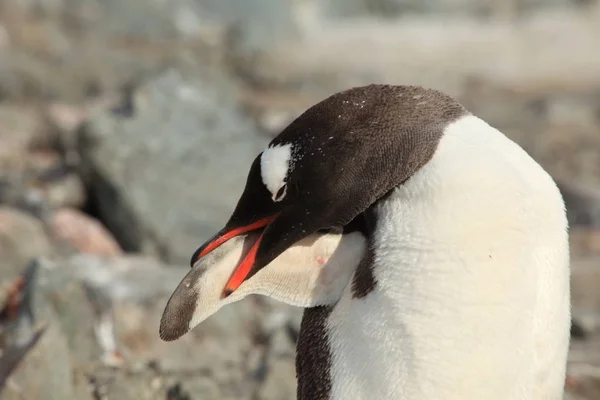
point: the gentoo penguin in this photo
(429, 250)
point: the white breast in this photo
(472, 270)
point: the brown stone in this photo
(83, 233)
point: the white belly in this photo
(472, 295)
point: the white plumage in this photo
(472, 266)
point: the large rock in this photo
(168, 178)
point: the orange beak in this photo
(241, 272)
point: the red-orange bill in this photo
(242, 271)
(219, 240)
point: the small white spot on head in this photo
(274, 167)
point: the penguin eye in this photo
(280, 193)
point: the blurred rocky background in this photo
(127, 128)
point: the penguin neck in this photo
(449, 315)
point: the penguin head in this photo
(323, 171)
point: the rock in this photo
(4, 40)
(133, 278)
(582, 202)
(176, 393)
(19, 128)
(83, 233)
(60, 289)
(103, 45)
(569, 151)
(41, 160)
(329, 57)
(258, 25)
(116, 282)
(42, 181)
(142, 385)
(17, 332)
(65, 118)
(68, 191)
(213, 361)
(396, 8)
(280, 382)
(216, 348)
(22, 238)
(588, 387)
(280, 369)
(91, 60)
(571, 396)
(168, 178)
(261, 22)
(585, 278)
(582, 367)
(585, 242)
(585, 297)
(47, 371)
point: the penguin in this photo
(429, 250)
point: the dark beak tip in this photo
(167, 334)
(179, 311)
(172, 325)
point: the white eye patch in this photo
(274, 168)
